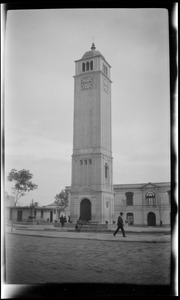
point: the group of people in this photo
(63, 220)
(79, 224)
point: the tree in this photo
(62, 199)
(22, 185)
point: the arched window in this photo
(129, 198)
(106, 170)
(91, 65)
(150, 198)
(83, 67)
(87, 66)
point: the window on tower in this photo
(81, 162)
(91, 65)
(83, 67)
(106, 170)
(87, 66)
(105, 69)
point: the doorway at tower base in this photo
(92, 209)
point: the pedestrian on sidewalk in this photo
(69, 219)
(62, 220)
(120, 225)
(78, 224)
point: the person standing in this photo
(62, 220)
(120, 225)
(78, 224)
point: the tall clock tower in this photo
(92, 196)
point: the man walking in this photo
(120, 225)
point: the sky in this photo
(40, 49)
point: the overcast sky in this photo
(40, 49)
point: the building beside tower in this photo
(144, 203)
(92, 196)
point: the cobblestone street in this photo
(35, 260)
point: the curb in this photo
(91, 231)
(90, 238)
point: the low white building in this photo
(41, 214)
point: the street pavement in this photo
(34, 259)
(42, 254)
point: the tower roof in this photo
(92, 52)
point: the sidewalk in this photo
(111, 228)
(137, 235)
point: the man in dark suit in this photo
(120, 225)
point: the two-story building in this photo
(143, 204)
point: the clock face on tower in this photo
(86, 83)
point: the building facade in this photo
(50, 213)
(92, 195)
(144, 204)
(42, 214)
